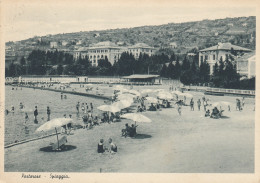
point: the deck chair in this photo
(62, 142)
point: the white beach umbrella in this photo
(108, 108)
(125, 97)
(137, 117)
(54, 124)
(221, 104)
(122, 104)
(165, 95)
(159, 90)
(151, 99)
(176, 92)
(134, 92)
(188, 95)
(146, 91)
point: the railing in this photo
(233, 91)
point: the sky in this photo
(23, 20)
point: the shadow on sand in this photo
(63, 148)
(142, 136)
(224, 117)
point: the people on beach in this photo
(82, 107)
(243, 102)
(21, 105)
(199, 104)
(238, 105)
(48, 113)
(12, 109)
(91, 107)
(207, 113)
(192, 105)
(61, 95)
(26, 118)
(77, 107)
(132, 130)
(113, 147)
(35, 113)
(179, 109)
(100, 148)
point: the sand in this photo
(189, 143)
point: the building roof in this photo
(104, 44)
(225, 46)
(140, 76)
(246, 56)
(141, 45)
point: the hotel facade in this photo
(111, 51)
(213, 54)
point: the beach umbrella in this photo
(165, 95)
(108, 108)
(54, 124)
(146, 91)
(188, 95)
(176, 92)
(125, 97)
(27, 110)
(137, 117)
(119, 87)
(122, 104)
(159, 90)
(221, 104)
(134, 92)
(151, 99)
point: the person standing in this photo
(91, 107)
(35, 115)
(199, 104)
(179, 109)
(192, 105)
(77, 107)
(204, 104)
(48, 113)
(243, 102)
(26, 118)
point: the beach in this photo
(190, 143)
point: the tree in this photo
(22, 61)
(163, 72)
(126, 64)
(185, 64)
(59, 69)
(177, 70)
(171, 70)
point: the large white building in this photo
(111, 51)
(246, 65)
(213, 54)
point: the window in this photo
(201, 58)
(214, 57)
(206, 57)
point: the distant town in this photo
(153, 49)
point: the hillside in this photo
(239, 31)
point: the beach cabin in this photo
(142, 79)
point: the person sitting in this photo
(139, 109)
(152, 108)
(207, 113)
(101, 148)
(215, 113)
(113, 147)
(126, 131)
(132, 132)
(96, 121)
